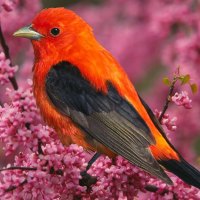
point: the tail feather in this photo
(183, 170)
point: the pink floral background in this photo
(150, 39)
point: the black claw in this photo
(87, 180)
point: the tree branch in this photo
(7, 54)
(153, 188)
(1, 104)
(12, 187)
(168, 99)
(40, 151)
(51, 171)
(19, 168)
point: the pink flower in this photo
(52, 175)
(8, 5)
(6, 71)
(117, 179)
(170, 123)
(182, 99)
(179, 190)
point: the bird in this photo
(86, 96)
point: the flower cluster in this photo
(117, 180)
(19, 120)
(182, 99)
(50, 175)
(6, 71)
(179, 190)
(170, 123)
(47, 173)
(8, 5)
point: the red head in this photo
(58, 34)
(53, 26)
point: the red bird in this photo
(85, 95)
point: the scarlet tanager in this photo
(85, 95)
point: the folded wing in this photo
(108, 118)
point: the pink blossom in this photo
(117, 179)
(182, 99)
(25, 10)
(170, 123)
(8, 5)
(51, 178)
(6, 71)
(16, 118)
(179, 190)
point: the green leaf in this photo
(194, 88)
(166, 81)
(185, 79)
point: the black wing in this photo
(109, 119)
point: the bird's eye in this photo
(55, 31)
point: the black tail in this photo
(183, 170)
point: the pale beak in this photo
(28, 32)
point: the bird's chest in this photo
(66, 129)
(63, 125)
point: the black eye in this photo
(55, 31)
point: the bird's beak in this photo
(28, 32)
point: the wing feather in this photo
(108, 118)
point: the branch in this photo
(4, 45)
(19, 168)
(7, 54)
(168, 99)
(57, 172)
(12, 187)
(51, 171)
(1, 104)
(153, 188)
(40, 151)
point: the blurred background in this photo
(150, 39)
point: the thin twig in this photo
(7, 54)
(12, 187)
(4, 45)
(40, 151)
(153, 188)
(168, 99)
(1, 104)
(57, 172)
(52, 170)
(19, 168)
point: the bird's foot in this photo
(87, 180)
